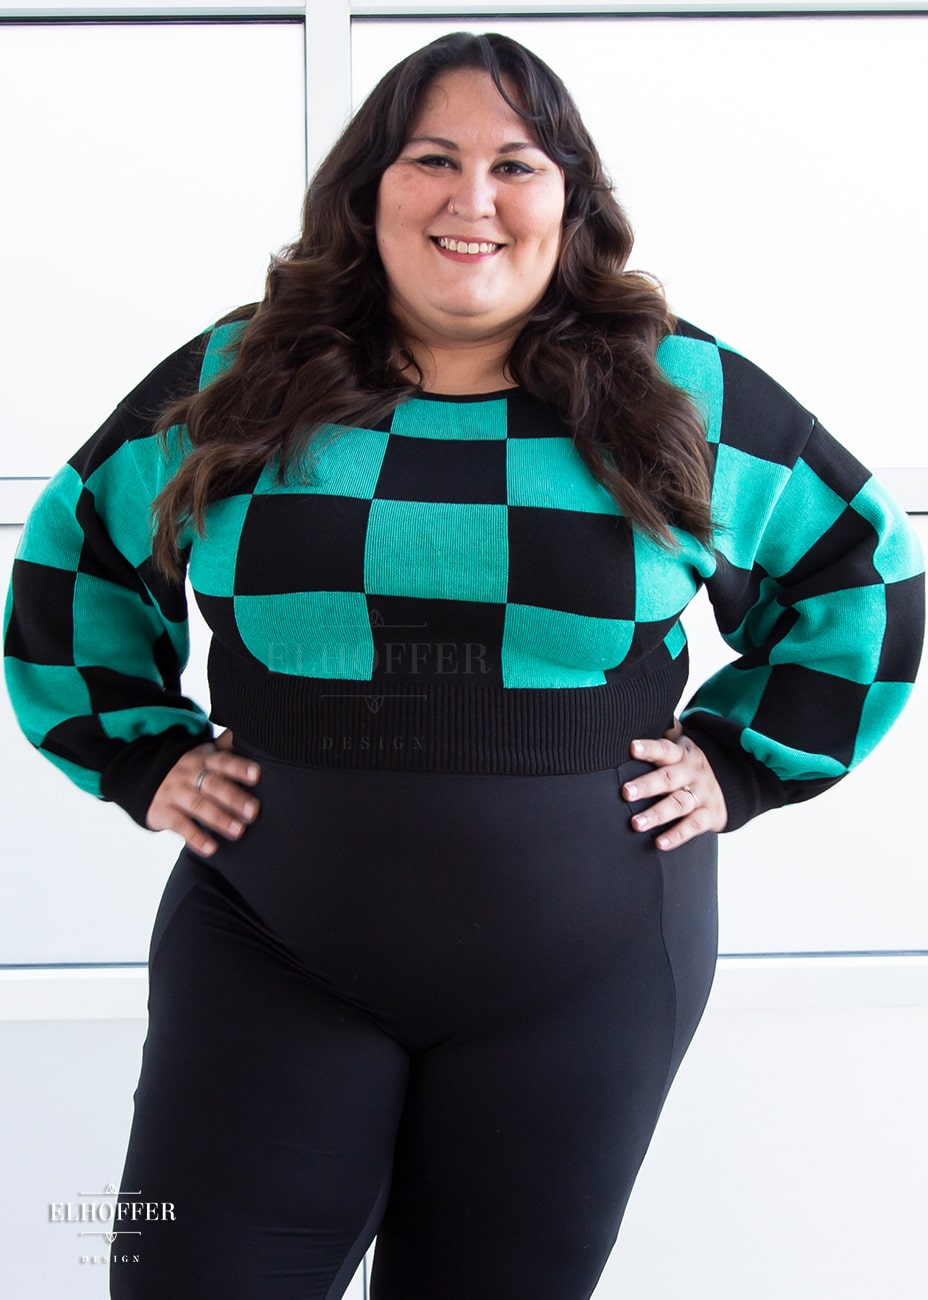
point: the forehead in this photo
(467, 101)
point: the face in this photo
(475, 273)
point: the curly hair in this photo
(322, 350)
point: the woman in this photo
(445, 919)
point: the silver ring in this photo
(689, 790)
(198, 783)
(451, 208)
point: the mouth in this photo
(471, 248)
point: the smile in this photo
(461, 246)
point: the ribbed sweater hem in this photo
(443, 726)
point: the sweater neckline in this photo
(494, 396)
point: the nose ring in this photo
(451, 208)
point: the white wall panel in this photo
(154, 168)
(768, 166)
(80, 880)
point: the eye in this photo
(512, 168)
(435, 160)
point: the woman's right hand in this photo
(206, 784)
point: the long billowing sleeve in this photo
(818, 585)
(94, 639)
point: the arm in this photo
(95, 640)
(825, 607)
(818, 585)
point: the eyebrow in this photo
(512, 147)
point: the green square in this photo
(695, 366)
(114, 628)
(132, 724)
(45, 695)
(215, 360)
(437, 550)
(115, 486)
(884, 702)
(761, 619)
(675, 640)
(471, 421)
(840, 633)
(787, 763)
(744, 493)
(898, 554)
(213, 557)
(667, 580)
(550, 472)
(309, 633)
(551, 648)
(51, 535)
(343, 462)
(805, 511)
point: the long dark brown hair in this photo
(321, 348)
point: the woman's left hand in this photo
(684, 776)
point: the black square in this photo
(100, 557)
(841, 558)
(834, 464)
(456, 471)
(733, 592)
(529, 417)
(758, 415)
(302, 542)
(419, 640)
(814, 712)
(41, 629)
(582, 563)
(905, 627)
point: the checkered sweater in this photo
(453, 591)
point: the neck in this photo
(464, 368)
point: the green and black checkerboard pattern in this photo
(458, 576)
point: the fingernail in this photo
(252, 773)
(208, 849)
(637, 747)
(631, 791)
(663, 842)
(250, 809)
(640, 821)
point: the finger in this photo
(652, 750)
(194, 836)
(676, 731)
(688, 828)
(220, 803)
(679, 803)
(223, 763)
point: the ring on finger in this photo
(198, 783)
(689, 790)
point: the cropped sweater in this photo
(454, 591)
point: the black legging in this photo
(442, 1008)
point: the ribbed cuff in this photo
(132, 779)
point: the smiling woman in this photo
(445, 923)
(469, 225)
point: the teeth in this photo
(458, 246)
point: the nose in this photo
(473, 196)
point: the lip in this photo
(466, 257)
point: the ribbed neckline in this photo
(467, 397)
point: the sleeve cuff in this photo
(132, 779)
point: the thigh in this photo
(265, 1115)
(519, 1146)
